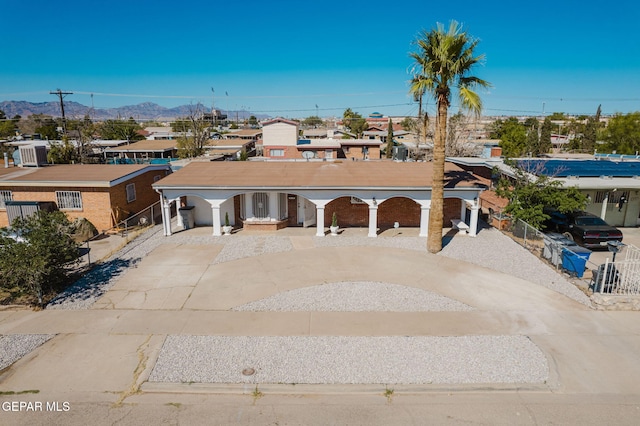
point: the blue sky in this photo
(282, 58)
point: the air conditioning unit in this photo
(33, 155)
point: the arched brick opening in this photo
(350, 211)
(403, 210)
(451, 210)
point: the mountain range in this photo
(140, 112)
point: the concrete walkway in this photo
(101, 357)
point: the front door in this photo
(292, 204)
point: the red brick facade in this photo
(403, 210)
(348, 152)
(349, 215)
(289, 152)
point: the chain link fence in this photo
(556, 249)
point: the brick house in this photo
(274, 195)
(281, 141)
(103, 194)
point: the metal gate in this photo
(621, 277)
(260, 205)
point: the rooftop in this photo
(582, 168)
(74, 174)
(287, 174)
(146, 146)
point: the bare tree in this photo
(457, 144)
(195, 132)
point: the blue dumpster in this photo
(574, 259)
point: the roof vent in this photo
(606, 177)
(573, 177)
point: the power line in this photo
(334, 108)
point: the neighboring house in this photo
(326, 134)
(229, 148)
(246, 135)
(381, 135)
(277, 194)
(103, 194)
(612, 187)
(281, 141)
(97, 145)
(144, 150)
(162, 133)
(361, 149)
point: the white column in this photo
(463, 210)
(166, 217)
(215, 213)
(319, 221)
(273, 206)
(248, 205)
(179, 217)
(164, 220)
(603, 211)
(473, 221)
(424, 221)
(373, 221)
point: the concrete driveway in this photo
(100, 358)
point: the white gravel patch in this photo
(15, 346)
(236, 247)
(494, 250)
(351, 360)
(359, 296)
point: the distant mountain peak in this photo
(142, 111)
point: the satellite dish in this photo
(308, 154)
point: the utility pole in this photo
(61, 95)
(213, 107)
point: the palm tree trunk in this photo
(419, 119)
(436, 215)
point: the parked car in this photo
(586, 229)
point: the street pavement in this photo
(95, 370)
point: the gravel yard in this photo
(356, 297)
(350, 360)
(15, 346)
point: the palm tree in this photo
(442, 62)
